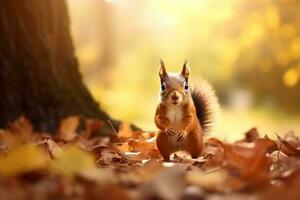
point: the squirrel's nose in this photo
(174, 96)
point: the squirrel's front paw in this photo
(170, 131)
(181, 136)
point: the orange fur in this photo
(164, 145)
(193, 141)
(183, 114)
(161, 120)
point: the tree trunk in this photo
(39, 75)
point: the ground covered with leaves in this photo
(79, 164)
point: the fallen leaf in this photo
(167, 184)
(92, 126)
(22, 159)
(125, 131)
(18, 133)
(288, 148)
(110, 155)
(146, 147)
(72, 161)
(248, 162)
(67, 128)
(250, 136)
(21, 126)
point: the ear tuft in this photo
(185, 70)
(162, 70)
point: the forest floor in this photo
(78, 164)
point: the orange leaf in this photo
(125, 131)
(67, 128)
(92, 126)
(289, 149)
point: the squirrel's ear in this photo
(185, 70)
(162, 70)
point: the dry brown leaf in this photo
(250, 136)
(97, 150)
(67, 128)
(49, 147)
(288, 146)
(139, 134)
(146, 147)
(249, 161)
(21, 126)
(18, 133)
(123, 147)
(110, 155)
(213, 160)
(92, 126)
(134, 165)
(125, 131)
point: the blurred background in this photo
(249, 50)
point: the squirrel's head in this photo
(174, 86)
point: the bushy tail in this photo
(206, 103)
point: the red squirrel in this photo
(183, 114)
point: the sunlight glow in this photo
(237, 45)
(291, 77)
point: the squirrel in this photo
(183, 114)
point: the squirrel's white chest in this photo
(174, 114)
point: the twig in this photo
(280, 146)
(114, 130)
(290, 147)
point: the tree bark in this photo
(39, 75)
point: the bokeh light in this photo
(249, 50)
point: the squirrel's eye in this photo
(163, 86)
(186, 86)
